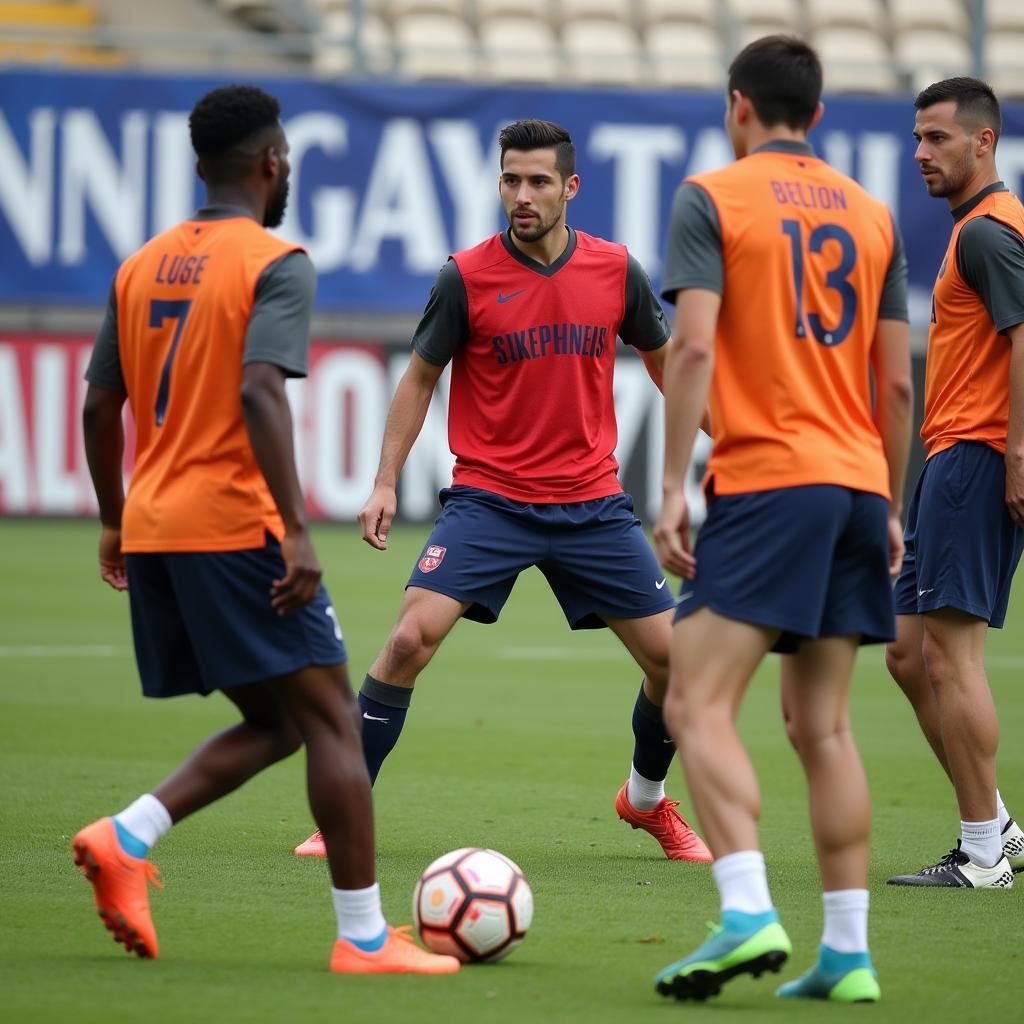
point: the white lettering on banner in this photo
(338, 415)
(332, 207)
(90, 174)
(401, 203)
(694, 479)
(174, 172)
(837, 149)
(471, 176)
(349, 406)
(638, 151)
(26, 186)
(430, 463)
(1011, 163)
(57, 490)
(880, 155)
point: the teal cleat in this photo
(741, 944)
(839, 977)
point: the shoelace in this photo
(403, 932)
(952, 859)
(153, 874)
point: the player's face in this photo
(273, 215)
(945, 150)
(534, 193)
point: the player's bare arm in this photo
(893, 416)
(654, 360)
(1015, 428)
(404, 423)
(689, 364)
(104, 450)
(268, 419)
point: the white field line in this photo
(63, 651)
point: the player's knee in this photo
(898, 661)
(938, 664)
(408, 647)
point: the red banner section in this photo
(339, 412)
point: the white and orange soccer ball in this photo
(474, 904)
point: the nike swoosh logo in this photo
(658, 586)
(371, 718)
(921, 593)
(510, 296)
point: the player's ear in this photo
(985, 142)
(818, 113)
(199, 170)
(270, 162)
(572, 186)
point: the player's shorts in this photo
(593, 553)
(962, 547)
(202, 621)
(809, 561)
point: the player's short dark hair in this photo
(975, 101)
(532, 133)
(781, 76)
(228, 116)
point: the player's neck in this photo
(547, 249)
(980, 180)
(758, 135)
(235, 195)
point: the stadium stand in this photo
(869, 46)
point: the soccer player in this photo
(529, 320)
(964, 536)
(789, 282)
(204, 324)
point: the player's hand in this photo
(1015, 488)
(376, 516)
(112, 569)
(672, 536)
(896, 548)
(301, 582)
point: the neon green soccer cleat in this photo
(839, 977)
(742, 944)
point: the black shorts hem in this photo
(477, 610)
(201, 689)
(598, 619)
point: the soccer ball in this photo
(474, 904)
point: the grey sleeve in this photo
(693, 258)
(893, 304)
(643, 323)
(104, 370)
(990, 258)
(278, 331)
(444, 326)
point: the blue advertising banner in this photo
(388, 179)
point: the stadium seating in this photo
(657, 12)
(913, 15)
(863, 14)
(601, 52)
(332, 55)
(1005, 15)
(855, 60)
(519, 49)
(1003, 51)
(435, 46)
(684, 55)
(929, 55)
(52, 32)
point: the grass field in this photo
(518, 739)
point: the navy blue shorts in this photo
(202, 621)
(809, 561)
(962, 545)
(594, 554)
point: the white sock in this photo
(1002, 813)
(980, 841)
(743, 882)
(642, 793)
(359, 913)
(846, 920)
(147, 819)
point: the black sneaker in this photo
(957, 871)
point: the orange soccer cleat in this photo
(119, 882)
(314, 846)
(667, 825)
(398, 955)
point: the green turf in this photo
(518, 739)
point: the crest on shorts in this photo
(432, 558)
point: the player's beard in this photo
(951, 182)
(274, 213)
(538, 228)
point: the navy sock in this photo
(384, 708)
(653, 748)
